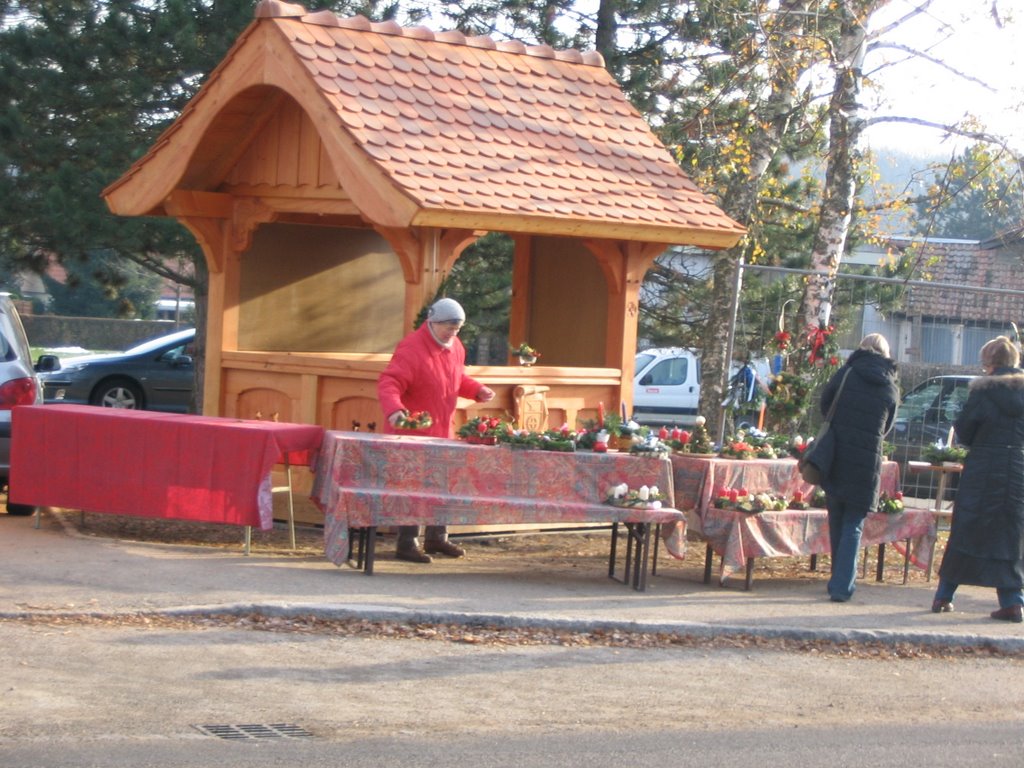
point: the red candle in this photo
(600, 414)
(663, 433)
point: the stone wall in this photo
(92, 333)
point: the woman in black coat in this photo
(986, 538)
(864, 414)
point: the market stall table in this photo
(147, 464)
(365, 481)
(739, 538)
(945, 470)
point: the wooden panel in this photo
(320, 289)
(264, 405)
(568, 313)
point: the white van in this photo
(666, 385)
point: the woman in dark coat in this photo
(864, 414)
(986, 538)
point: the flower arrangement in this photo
(750, 503)
(940, 452)
(823, 347)
(700, 441)
(519, 438)
(483, 429)
(527, 355)
(414, 420)
(651, 445)
(645, 497)
(789, 396)
(563, 440)
(797, 446)
(890, 505)
(797, 501)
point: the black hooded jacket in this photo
(986, 540)
(864, 414)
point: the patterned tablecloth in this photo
(369, 480)
(738, 536)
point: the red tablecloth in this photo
(150, 464)
(367, 480)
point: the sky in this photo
(964, 34)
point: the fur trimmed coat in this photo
(864, 414)
(986, 540)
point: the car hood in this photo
(80, 360)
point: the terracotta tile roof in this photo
(959, 264)
(472, 126)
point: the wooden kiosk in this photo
(334, 169)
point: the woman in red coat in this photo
(427, 372)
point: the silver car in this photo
(19, 385)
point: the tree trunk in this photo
(845, 127)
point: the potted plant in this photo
(527, 355)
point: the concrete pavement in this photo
(55, 570)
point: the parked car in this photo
(19, 385)
(925, 416)
(156, 375)
(666, 385)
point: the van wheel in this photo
(20, 509)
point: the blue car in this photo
(156, 375)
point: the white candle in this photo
(949, 440)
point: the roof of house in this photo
(449, 130)
(993, 265)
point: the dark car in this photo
(926, 415)
(156, 375)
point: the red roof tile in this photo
(463, 124)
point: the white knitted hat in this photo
(446, 311)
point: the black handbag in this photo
(817, 458)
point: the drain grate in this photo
(256, 731)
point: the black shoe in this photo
(443, 548)
(942, 606)
(412, 554)
(1014, 613)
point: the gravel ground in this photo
(565, 551)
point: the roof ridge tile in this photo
(276, 9)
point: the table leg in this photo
(614, 550)
(654, 560)
(248, 539)
(371, 544)
(643, 532)
(880, 567)
(906, 562)
(291, 503)
(750, 574)
(709, 556)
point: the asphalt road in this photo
(106, 695)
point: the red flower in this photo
(743, 492)
(898, 495)
(684, 437)
(833, 360)
(481, 427)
